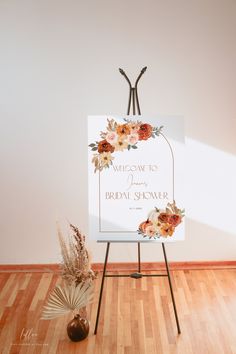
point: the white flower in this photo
(121, 144)
(105, 159)
(153, 215)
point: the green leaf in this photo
(134, 147)
(94, 148)
(92, 145)
(129, 147)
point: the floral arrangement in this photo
(161, 222)
(119, 137)
(76, 292)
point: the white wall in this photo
(59, 62)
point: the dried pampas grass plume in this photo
(75, 266)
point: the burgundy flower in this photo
(163, 217)
(104, 146)
(174, 220)
(145, 131)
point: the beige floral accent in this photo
(102, 160)
(106, 159)
(121, 144)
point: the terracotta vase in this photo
(78, 328)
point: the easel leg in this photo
(171, 290)
(101, 289)
(139, 258)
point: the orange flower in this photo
(145, 131)
(104, 146)
(166, 229)
(123, 129)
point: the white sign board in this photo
(135, 166)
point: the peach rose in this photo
(150, 231)
(133, 138)
(144, 225)
(111, 138)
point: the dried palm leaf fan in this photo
(67, 299)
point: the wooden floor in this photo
(136, 315)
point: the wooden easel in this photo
(133, 97)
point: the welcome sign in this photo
(135, 167)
